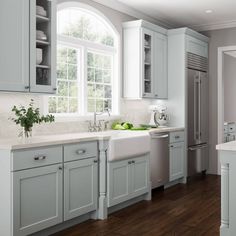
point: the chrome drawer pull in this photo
(177, 137)
(80, 151)
(40, 158)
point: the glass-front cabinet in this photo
(43, 46)
(147, 63)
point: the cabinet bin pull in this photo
(80, 151)
(40, 158)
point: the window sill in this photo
(78, 118)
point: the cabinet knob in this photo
(60, 168)
(54, 89)
(39, 158)
(95, 161)
(129, 162)
(27, 87)
(156, 95)
(133, 162)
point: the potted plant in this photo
(27, 117)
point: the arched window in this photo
(87, 65)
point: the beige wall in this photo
(218, 38)
(229, 77)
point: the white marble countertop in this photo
(230, 146)
(60, 139)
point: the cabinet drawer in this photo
(176, 137)
(31, 158)
(80, 151)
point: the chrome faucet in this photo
(97, 126)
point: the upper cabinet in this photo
(145, 60)
(14, 46)
(28, 41)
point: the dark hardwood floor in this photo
(183, 210)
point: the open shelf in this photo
(41, 43)
(41, 19)
(43, 66)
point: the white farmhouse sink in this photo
(127, 144)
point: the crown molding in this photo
(118, 6)
(215, 26)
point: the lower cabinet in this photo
(177, 160)
(127, 179)
(80, 187)
(37, 199)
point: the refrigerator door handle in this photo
(196, 107)
(199, 106)
(198, 147)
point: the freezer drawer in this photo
(197, 159)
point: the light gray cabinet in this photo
(80, 187)
(18, 25)
(177, 153)
(14, 46)
(37, 199)
(127, 179)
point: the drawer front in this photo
(176, 137)
(79, 151)
(36, 157)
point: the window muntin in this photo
(85, 64)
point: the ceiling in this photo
(190, 13)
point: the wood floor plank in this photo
(183, 210)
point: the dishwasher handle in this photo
(156, 136)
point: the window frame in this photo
(85, 46)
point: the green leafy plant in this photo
(27, 117)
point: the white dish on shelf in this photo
(39, 55)
(40, 35)
(41, 11)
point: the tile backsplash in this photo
(133, 111)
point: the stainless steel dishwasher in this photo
(159, 159)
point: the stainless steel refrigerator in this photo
(197, 114)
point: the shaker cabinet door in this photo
(176, 161)
(14, 46)
(140, 175)
(80, 187)
(37, 199)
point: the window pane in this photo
(91, 90)
(73, 105)
(61, 71)
(52, 105)
(107, 104)
(78, 23)
(72, 56)
(99, 106)
(107, 76)
(91, 73)
(62, 105)
(98, 76)
(63, 88)
(107, 91)
(99, 91)
(72, 72)
(91, 105)
(73, 89)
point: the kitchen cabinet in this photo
(18, 25)
(127, 179)
(14, 46)
(145, 60)
(80, 187)
(37, 199)
(176, 155)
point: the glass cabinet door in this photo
(147, 63)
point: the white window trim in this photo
(116, 52)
